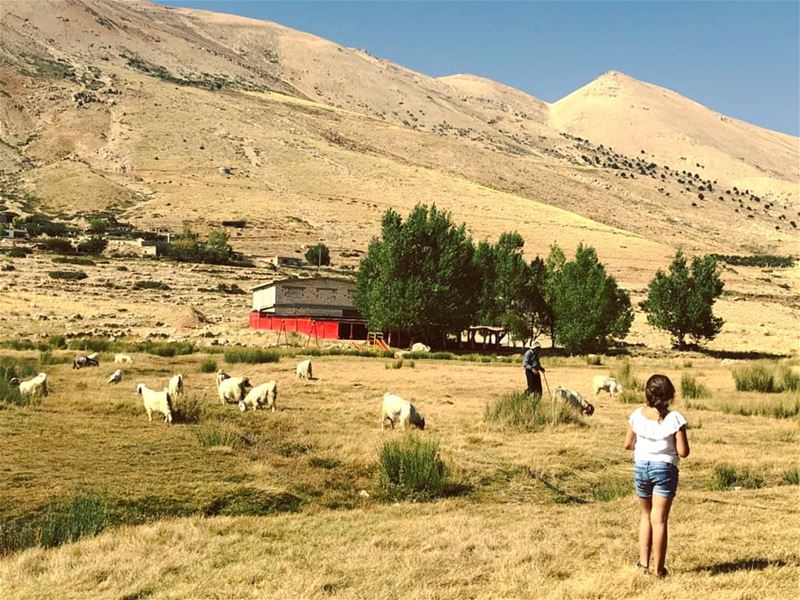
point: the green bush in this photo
(166, 349)
(74, 260)
(94, 246)
(57, 342)
(765, 260)
(68, 275)
(57, 245)
(38, 224)
(59, 523)
(209, 365)
(318, 255)
(691, 388)
(630, 396)
(411, 469)
(150, 285)
(251, 356)
(18, 252)
(521, 412)
(727, 477)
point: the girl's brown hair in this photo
(659, 392)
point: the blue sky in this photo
(739, 58)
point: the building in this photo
(319, 306)
(287, 261)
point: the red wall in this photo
(328, 330)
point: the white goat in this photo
(608, 384)
(116, 376)
(34, 387)
(158, 401)
(266, 393)
(575, 400)
(398, 410)
(175, 386)
(303, 370)
(221, 376)
(85, 361)
(122, 359)
(233, 390)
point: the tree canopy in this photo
(318, 255)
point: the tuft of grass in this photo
(691, 388)
(791, 476)
(624, 375)
(252, 502)
(47, 358)
(781, 408)
(610, 488)
(211, 437)
(397, 364)
(766, 377)
(59, 523)
(728, 476)
(521, 412)
(209, 365)
(68, 275)
(251, 356)
(93, 345)
(166, 349)
(188, 409)
(324, 462)
(687, 364)
(74, 260)
(594, 359)
(631, 396)
(412, 469)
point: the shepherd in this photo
(533, 366)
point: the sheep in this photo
(266, 393)
(420, 347)
(175, 386)
(233, 390)
(116, 376)
(158, 401)
(609, 384)
(303, 370)
(122, 359)
(575, 399)
(34, 387)
(81, 361)
(221, 376)
(398, 410)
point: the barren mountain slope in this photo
(632, 115)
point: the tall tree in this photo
(682, 301)
(588, 306)
(419, 277)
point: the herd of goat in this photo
(238, 390)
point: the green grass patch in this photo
(211, 437)
(791, 476)
(521, 412)
(46, 357)
(252, 502)
(786, 407)
(165, 349)
(412, 469)
(10, 368)
(611, 488)
(324, 462)
(691, 388)
(629, 396)
(766, 377)
(251, 356)
(727, 477)
(209, 365)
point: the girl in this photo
(657, 436)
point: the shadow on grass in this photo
(738, 355)
(562, 497)
(745, 564)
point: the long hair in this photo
(659, 392)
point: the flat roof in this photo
(267, 284)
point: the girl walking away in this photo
(657, 436)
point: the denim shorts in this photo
(655, 477)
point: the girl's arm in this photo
(630, 439)
(682, 442)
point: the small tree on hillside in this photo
(419, 277)
(589, 308)
(682, 301)
(319, 255)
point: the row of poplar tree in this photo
(425, 278)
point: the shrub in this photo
(94, 245)
(691, 388)
(727, 477)
(324, 462)
(624, 375)
(150, 285)
(58, 342)
(318, 255)
(7, 268)
(791, 476)
(187, 409)
(38, 224)
(411, 468)
(398, 364)
(60, 523)
(231, 289)
(46, 358)
(785, 409)
(521, 412)
(91, 345)
(766, 378)
(209, 365)
(68, 275)
(57, 245)
(74, 260)
(18, 252)
(167, 350)
(251, 356)
(631, 396)
(214, 436)
(766, 260)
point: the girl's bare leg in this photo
(658, 521)
(645, 532)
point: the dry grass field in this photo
(258, 505)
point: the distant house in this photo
(321, 306)
(287, 261)
(126, 247)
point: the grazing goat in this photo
(158, 401)
(398, 410)
(420, 347)
(608, 384)
(34, 387)
(575, 400)
(221, 376)
(116, 376)
(175, 386)
(303, 370)
(122, 359)
(82, 360)
(233, 390)
(266, 393)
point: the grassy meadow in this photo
(97, 502)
